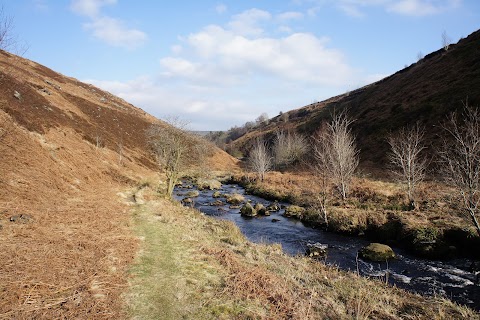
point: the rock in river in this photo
(376, 252)
(209, 184)
(294, 211)
(316, 250)
(248, 211)
(261, 210)
(192, 194)
(235, 198)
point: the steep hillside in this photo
(425, 91)
(66, 151)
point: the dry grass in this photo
(217, 274)
(371, 199)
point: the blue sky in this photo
(218, 64)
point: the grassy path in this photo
(194, 267)
(157, 283)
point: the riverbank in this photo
(195, 267)
(377, 210)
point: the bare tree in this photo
(420, 56)
(446, 41)
(406, 158)
(259, 158)
(288, 148)
(321, 168)
(262, 119)
(174, 148)
(460, 156)
(7, 40)
(336, 153)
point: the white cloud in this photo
(289, 15)
(422, 7)
(107, 29)
(41, 5)
(248, 22)
(354, 8)
(296, 57)
(351, 10)
(221, 8)
(89, 8)
(285, 29)
(224, 75)
(113, 32)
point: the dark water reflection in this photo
(451, 279)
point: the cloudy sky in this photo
(221, 63)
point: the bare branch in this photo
(175, 149)
(288, 148)
(460, 156)
(259, 159)
(446, 41)
(406, 158)
(336, 153)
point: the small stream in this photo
(451, 279)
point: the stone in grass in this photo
(294, 212)
(316, 250)
(376, 252)
(248, 211)
(235, 198)
(21, 218)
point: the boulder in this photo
(235, 206)
(316, 250)
(248, 211)
(275, 220)
(192, 194)
(274, 207)
(294, 211)
(235, 198)
(217, 194)
(17, 95)
(376, 252)
(187, 201)
(210, 184)
(260, 208)
(217, 203)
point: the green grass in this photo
(193, 267)
(155, 274)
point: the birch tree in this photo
(336, 152)
(407, 160)
(460, 156)
(288, 148)
(259, 159)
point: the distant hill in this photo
(425, 91)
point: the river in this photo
(451, 279)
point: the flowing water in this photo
(451, 279)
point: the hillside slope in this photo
(67, 149)
(425, 91)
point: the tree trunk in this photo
(475, 221)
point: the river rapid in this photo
(451, 279)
